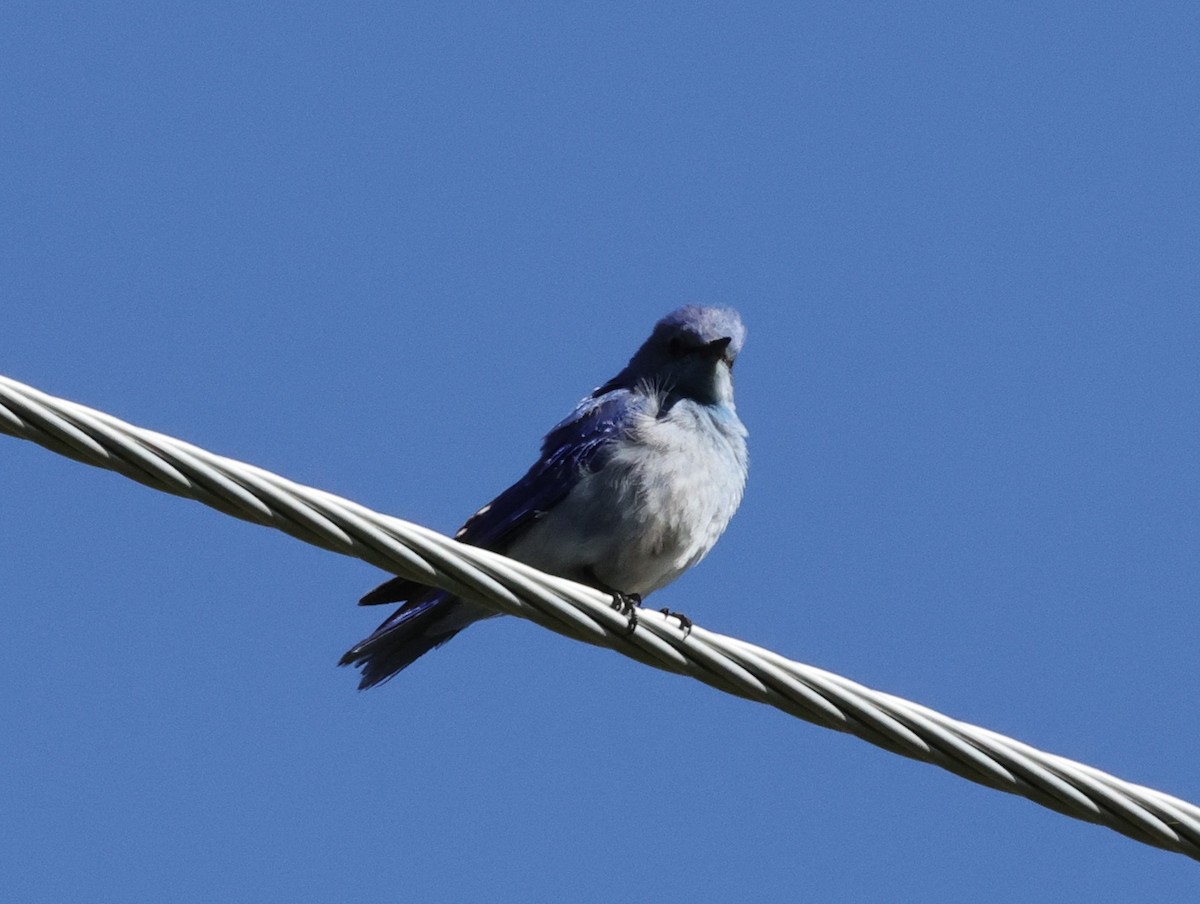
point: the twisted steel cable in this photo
(586, 614)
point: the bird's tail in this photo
(409, 633)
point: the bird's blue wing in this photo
(579, 444)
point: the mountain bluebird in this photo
(631, 490)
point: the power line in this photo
(586, 614)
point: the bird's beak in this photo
(719, 348)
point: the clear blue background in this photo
(381, 248)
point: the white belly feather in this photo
(654, 510)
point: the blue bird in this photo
(632, 489)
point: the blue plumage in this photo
(630, 490)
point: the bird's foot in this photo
(684, 622)
(627, 604)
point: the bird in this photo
(631, 489)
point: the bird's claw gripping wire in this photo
(627, 604)
(685, 623)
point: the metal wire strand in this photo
(583, 613)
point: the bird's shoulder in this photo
(577, 445)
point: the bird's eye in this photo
(676, 347)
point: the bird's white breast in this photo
(664, 496)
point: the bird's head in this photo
(689, 355)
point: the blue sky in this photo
(381, 248)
